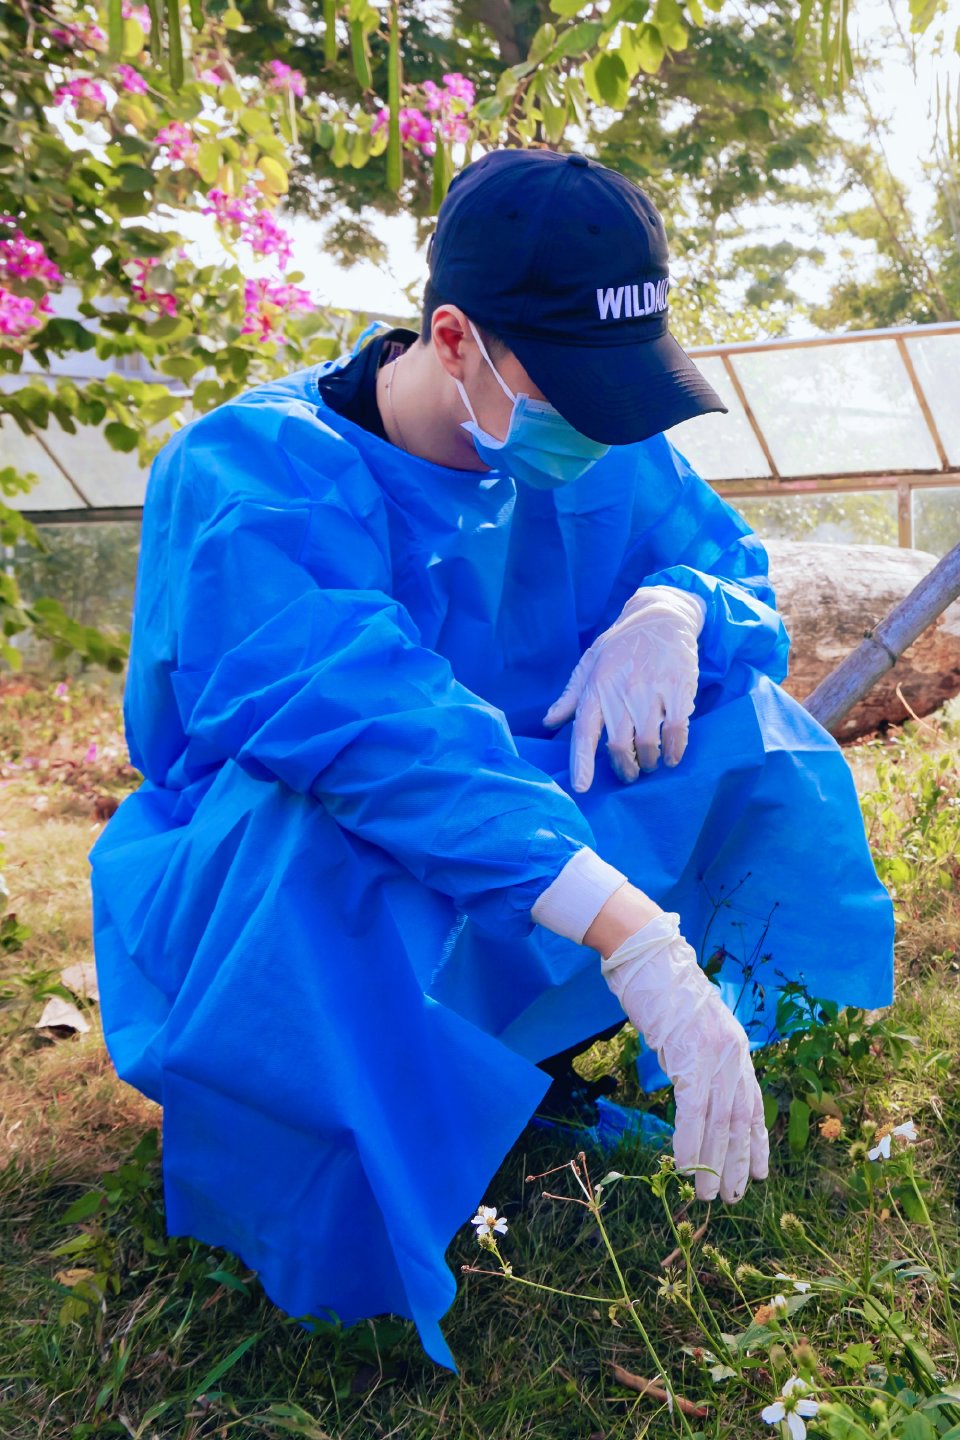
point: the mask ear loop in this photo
(483, 351)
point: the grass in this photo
(108, 1327)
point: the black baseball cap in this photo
(566, 260)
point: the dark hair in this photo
(431, 301)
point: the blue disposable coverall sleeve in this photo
(706, 547)
(294, 660)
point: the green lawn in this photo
(109, 1328)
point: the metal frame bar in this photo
(905, 516)
(808, 342)
(748, 411)
(837, 484)
(63, 471)
(92, 515)
(922, 402)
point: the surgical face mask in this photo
(540, 448)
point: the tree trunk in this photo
(831, 596)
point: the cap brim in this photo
(618, 394)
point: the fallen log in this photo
(836, 602)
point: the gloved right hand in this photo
(704, 1050)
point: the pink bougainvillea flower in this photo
(458, 93)
(179, 141)
(455, 128)
(86, 95)
(460, 88)
(23, 259)
(61, 688)
(131, 80)
(415, 127)
(434, 94)
(254, 224)
(266, 301)
(80, 37)
(284, 77)
(21, 315)
(227, 209)
(140, 13)
(449, 104)
(266, 236)
(91, 754)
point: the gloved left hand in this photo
(639, 674)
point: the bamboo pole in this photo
(882, 647)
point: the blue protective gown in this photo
(311, 920)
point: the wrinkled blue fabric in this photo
(311, 919)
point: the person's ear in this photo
(451, 338)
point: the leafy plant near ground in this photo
(108, 1326)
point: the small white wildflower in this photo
(907, 1131)
(488, 1222)
(779, 1302)
(793, 1407)
(800, 1285)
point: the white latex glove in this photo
(640, 673)
(703, 1048)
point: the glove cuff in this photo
(688, 602)
(637, 950)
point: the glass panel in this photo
(720, 447)
(91, 569)
(53, 491)
(104, 475)
(936, 519)
(936, 359)
(837, 409)
(862, 517)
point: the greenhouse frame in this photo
(876, 412)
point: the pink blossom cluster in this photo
(261, 301)
(455, 87)
(139, 273)
(20, 315)
(85, 94)
(141, 13)
(23, 259)
(131, 80)
(415, 127)
(451, 103)
(226, 209)
(266, 236)
(178, 138)
(284, 77)
(80, 37)
(259, 227)
(209, 76)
